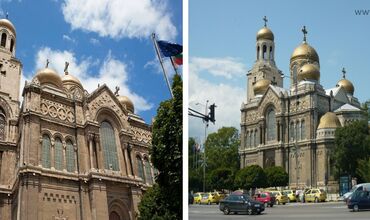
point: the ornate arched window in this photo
(3, 39)
(109, 146)
(148, 172)
(45, 151)
(291, 131)
(2, 124)
(140, 168)
(58, 156)
(11, 45)
(70, 157)
(271, 125)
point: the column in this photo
(90, 138)
(75, 155)
(99, 152)
(64, 157)
(52, 148)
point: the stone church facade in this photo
(64, 153)
(294, 128)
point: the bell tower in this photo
(10, 67)
(264, 68)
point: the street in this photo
(309, 211)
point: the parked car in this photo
(359, 200)
(240, 204)
(358, 187)
(280, 198)
(219, 196)
(208, 198)
(266, 198)
(315, 195)
(291, 195)
(191, 198)
(197, 197)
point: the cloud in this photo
(94, 41)
(227, 67)
(68, 38)
(227, 97)
(120, 18)
(112, 72)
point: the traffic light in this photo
(211, 115)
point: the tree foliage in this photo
(251, 177)
(363, 170)
(166, 156)
(276, 176)
(351, 145)
(222, 178)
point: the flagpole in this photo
(160, 60)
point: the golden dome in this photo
(67, 78)
(8, 24)
(49, 76)
(261, 86)
(305, 51)
(347, 85)
(309, 71)
(125, 101)
(265, 33)
(329, 120)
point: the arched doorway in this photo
(114, 216)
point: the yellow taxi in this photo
(208, 198)
(197, 197)
(219, 196)
(291, 195)
(280, 197)
(315, 195)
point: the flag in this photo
(169, 49)
(177, 59)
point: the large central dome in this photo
(305, 51)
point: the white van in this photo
(358, 187)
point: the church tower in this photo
(264, 71)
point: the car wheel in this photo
(316, 200)
(250, 211)
(271, 205)
(226, 210)
(283, 203)
(355, 208)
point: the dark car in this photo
(241, 203)
(359, 200)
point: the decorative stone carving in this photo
(57, 110)
(141, 135)
(105, 100)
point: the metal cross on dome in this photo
(344, 73)
(304, 30)
(265, 20)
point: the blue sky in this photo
(104, 41)
(222, 36)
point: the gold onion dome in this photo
(329, 120)
(265, 33)
(125, 101)
(309, 71)
(69, 79)
(347, 85)
(261, 86)
(49, 77)
(305, 51)
(6, 23)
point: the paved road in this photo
(308, 211)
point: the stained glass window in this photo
(58, 155)
(109, 146)
(303, 131)
(291, 131)
(257, 138)
(271, 125)
(140, 168)
(70, 157)
(45, 157)
(252, 139)
(148, 172)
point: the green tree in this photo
(276, 176)
(222, 149)
(351, 145)
(222, 178)
(363, 170)
(251, 176)
(166, 156)
(195, 170)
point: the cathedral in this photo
(294, 127)
(67, 154)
